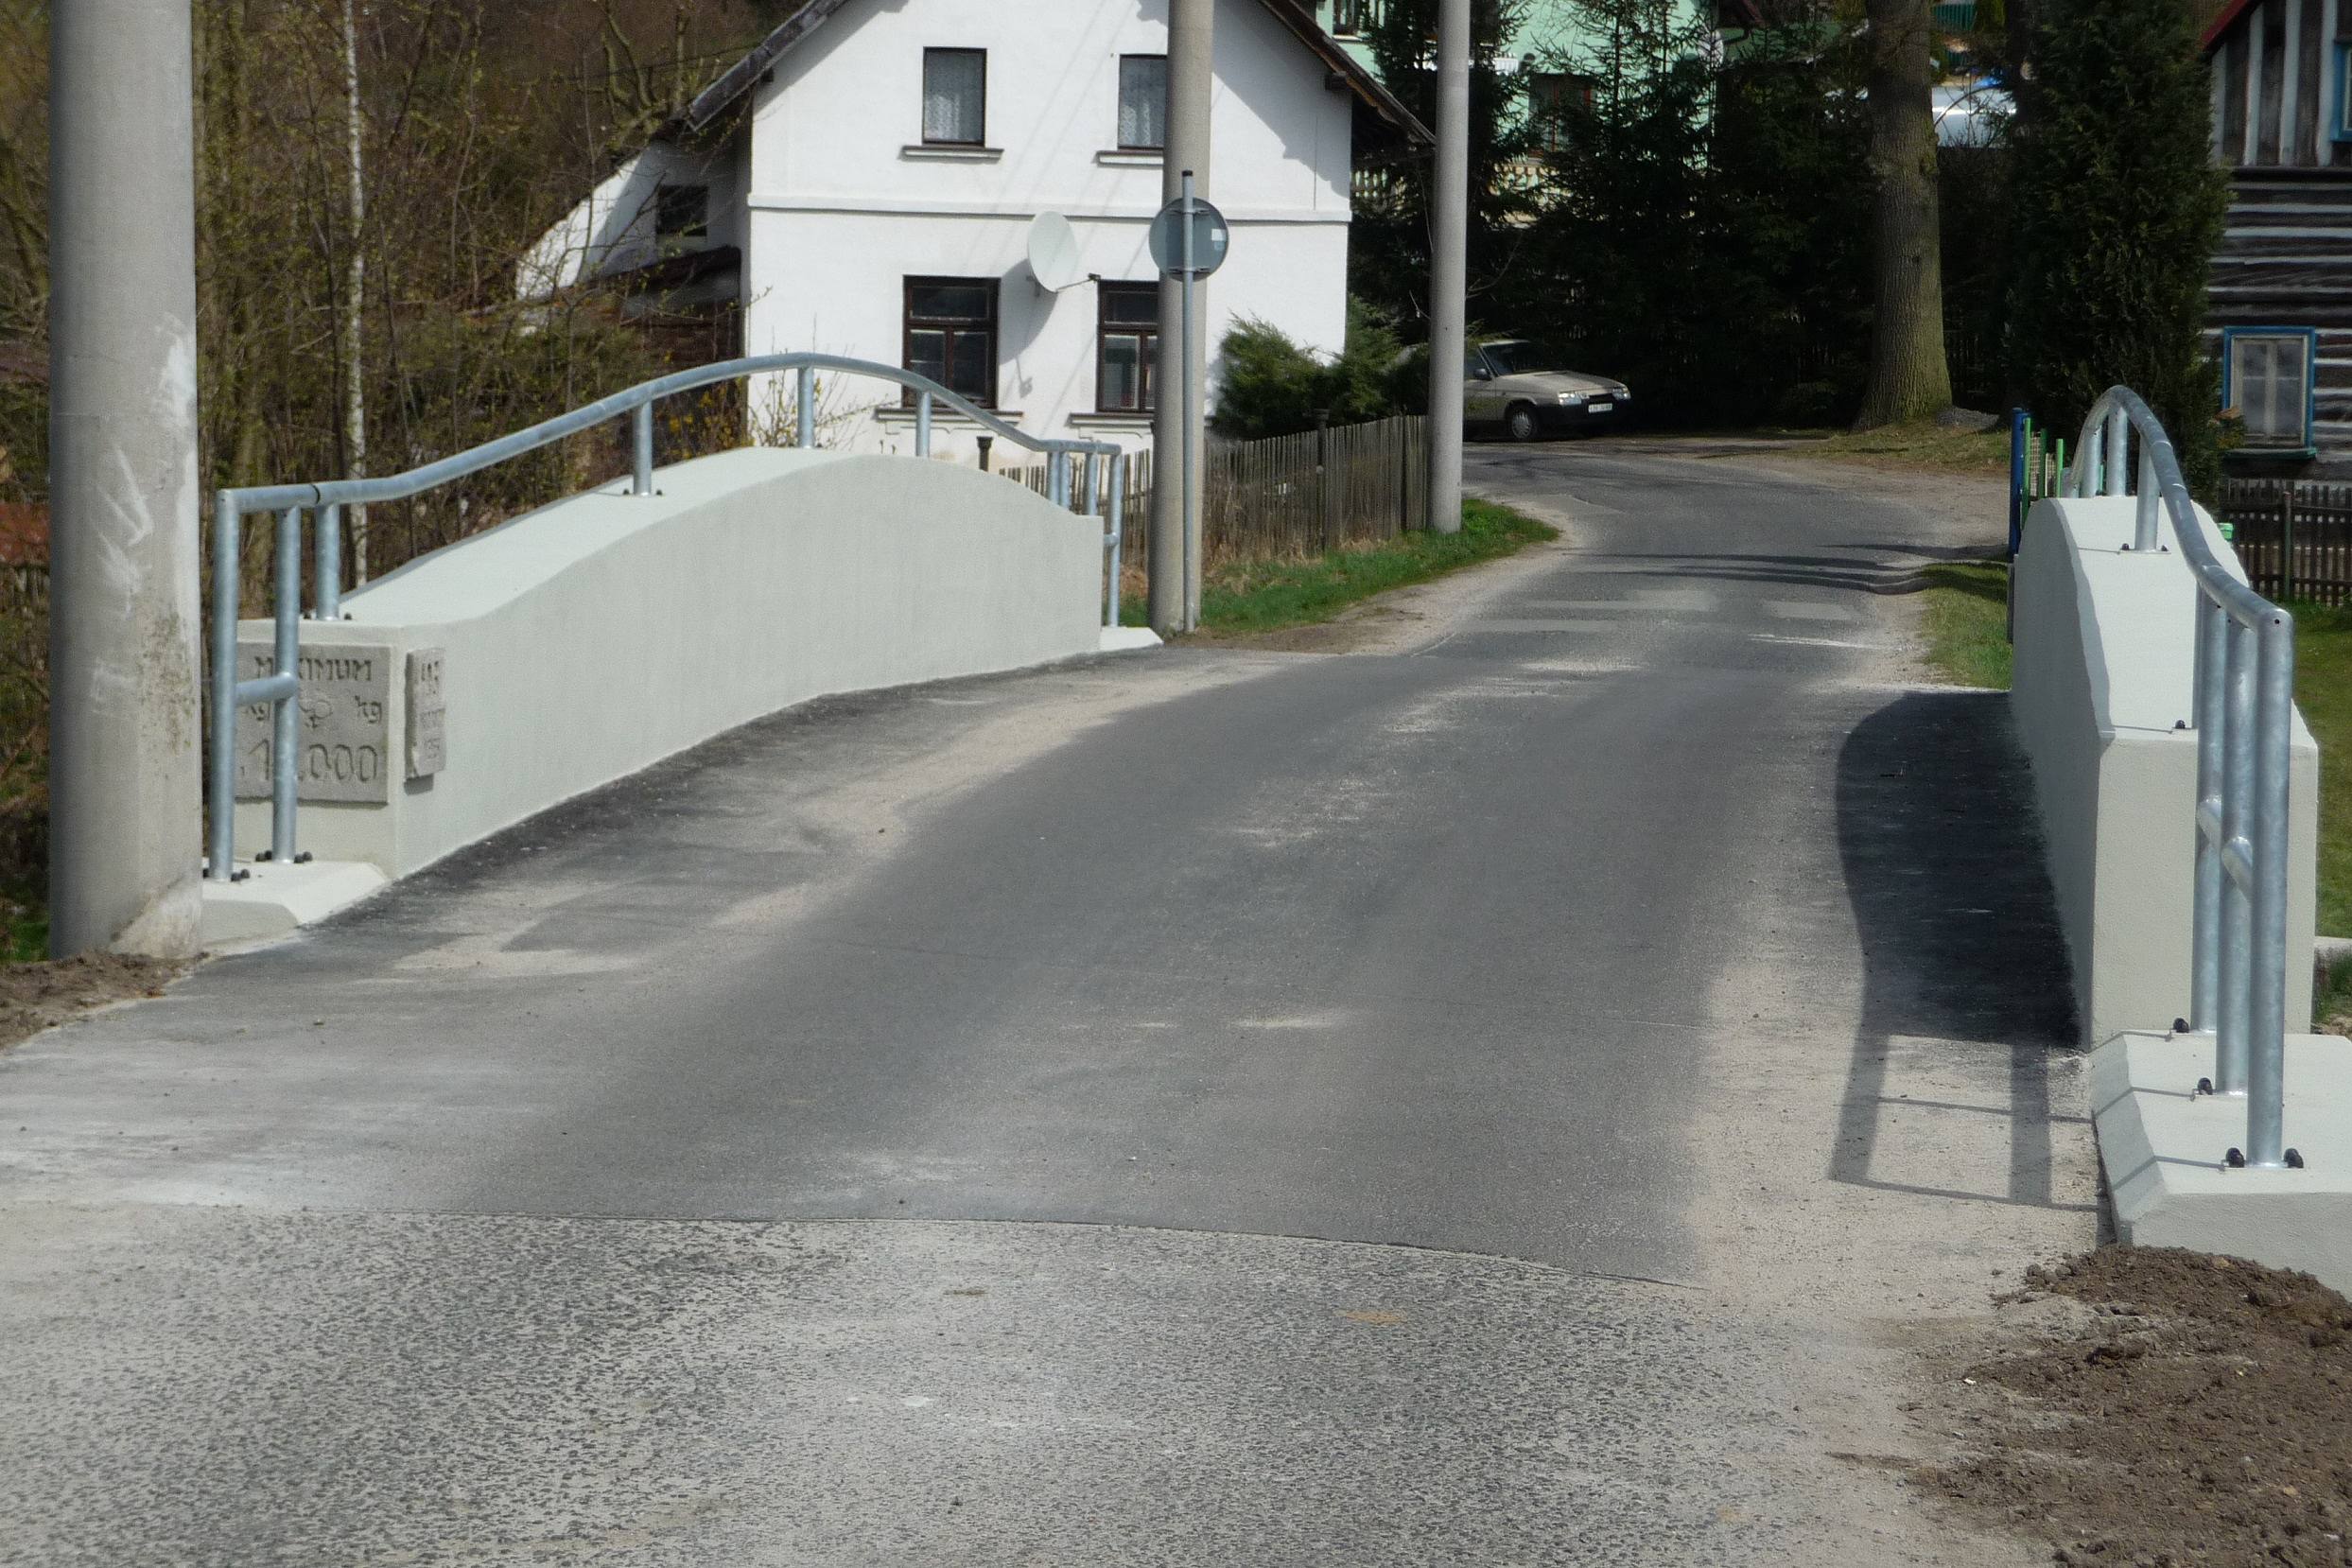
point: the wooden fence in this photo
(2293, 536)
(1289, 495)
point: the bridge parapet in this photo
(591, 639)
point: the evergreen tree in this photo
(2118, 209)
(1389, 244)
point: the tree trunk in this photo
(1908, 379)
(355, 298)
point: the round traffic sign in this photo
(1210, 238)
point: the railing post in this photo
(2117, 450)
(2237, 753)
(2084, 481)
(1090, 491)
(807, 417)
(2017, 423)
(220, 858)
(2273, 736)
(2211, 718)
(1117, 530)
(922, 424)
(2150, 500)
(641, 445)
(286, 709)
(326, 548)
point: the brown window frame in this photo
(953, 327)
(929, 140)
(1104, 329)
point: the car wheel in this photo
(1521, 422)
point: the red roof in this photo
(2222, 23)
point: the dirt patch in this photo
(2154, 1408)
(35, 996)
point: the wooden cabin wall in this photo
(2278, 62)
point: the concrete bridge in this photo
(1493, 1091)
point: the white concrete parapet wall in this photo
(2106, 644)
(588, 640)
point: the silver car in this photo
(1506, 387)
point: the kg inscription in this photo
(342, 749)
(429, 712)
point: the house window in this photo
(2267, 377)
(1551, 95)
(1127, 344)
(2342, 130)
(681, 213)
(1142, 102)
(951, 335)
(1355, 18)
(955, 97)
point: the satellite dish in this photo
(1053, 252)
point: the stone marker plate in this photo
(342, 745)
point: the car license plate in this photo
(1600, 408)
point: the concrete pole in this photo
(1449, 235)
(1175, 517)
(124, 792)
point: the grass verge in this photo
(2323, 691)
(1924, 445)
(1266, 595)
(1967, 616)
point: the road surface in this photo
(1525, 1097)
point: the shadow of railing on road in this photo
(1963, 956)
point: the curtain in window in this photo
(954, 87)
(2268, 382)
(1143, 101)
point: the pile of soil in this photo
(34, 995)
(2167, 1408)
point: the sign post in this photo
(1189, 240)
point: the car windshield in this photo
(1516, 357)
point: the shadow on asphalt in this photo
(1960, 934)
(1882, 576)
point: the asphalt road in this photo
(1203, 1107)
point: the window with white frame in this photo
(2267, 375)
(1142, 103)
(955, 97)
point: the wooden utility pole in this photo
(1909, 376)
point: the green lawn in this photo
(1266, 595)
(2323, 691)
(1967, 619)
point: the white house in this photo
(864, 181)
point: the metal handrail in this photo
(2244, 722)
(325, 500)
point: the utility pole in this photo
(123, 783)
(355, 287)
(1175, 482)
(1448, 266)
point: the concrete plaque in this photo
(428, 745)
(341, 747)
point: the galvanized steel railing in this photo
(2244, 720)
(325, 502)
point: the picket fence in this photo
(2293, 536)
(1288, 495)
